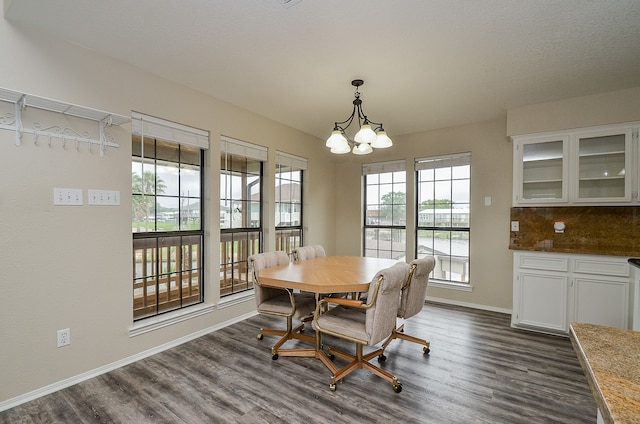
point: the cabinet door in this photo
(540, 170)
(602, 171)
(601, 300)
(542, 300)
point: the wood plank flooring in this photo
(479, 371)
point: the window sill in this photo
(451, 285)
(170, 318)
(235, 299)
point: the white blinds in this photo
(443, 161)
(150, 126)
(287, 159)
(380, 167)
(233, 146)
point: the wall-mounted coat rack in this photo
(21, 101)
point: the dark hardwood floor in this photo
(479, 371)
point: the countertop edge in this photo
(591, 378)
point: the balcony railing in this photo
(167, 274)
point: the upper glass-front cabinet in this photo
(541, 171)
(583, 166)
(603, 166)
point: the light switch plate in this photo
(515, 225)
(103, 197)
(67, 197)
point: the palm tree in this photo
(143, 190)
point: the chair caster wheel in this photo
(332, 387)
(260, 336)
(397, 388)
(275, 356)
(382, 358)
(426, 350)
(332, 357)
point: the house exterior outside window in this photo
(385, 210)
(167, 217)
(443, 214)
(288, 201)
(241, 231)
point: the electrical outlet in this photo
(64, 337)
(515, 225)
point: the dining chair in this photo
(280, 302)
(413, 293)
(308, 252)
(366, 324)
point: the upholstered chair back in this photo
(308, 252)
(381, 318)
(415, 289)
(265, 260)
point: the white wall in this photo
(70, 267)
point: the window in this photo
(385, 210)
(166, 220)
(288, 201)
(240, 211)
(443, 212)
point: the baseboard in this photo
(469, 305)
(51, 388)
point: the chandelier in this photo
(370, 135)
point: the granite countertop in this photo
(610, 358)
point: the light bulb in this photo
(362, 149)
(336, 138)
(365, 135)
(382, 141)
(341, 147)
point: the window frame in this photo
(237, 243)
(183, 247)
(288, 237)
(452, 160)
(395, 230)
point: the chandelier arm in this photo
(338, 124)
(366, 120)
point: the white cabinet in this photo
(552, 289)
(594, 165)
(541, 169)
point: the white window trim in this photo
(287, 159)
(234, 146)
(382, 167)
(150, 126)
(451, 285)
(153, 323)
(236, 299)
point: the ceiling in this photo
(426, 64)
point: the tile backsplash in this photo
(600, 230)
